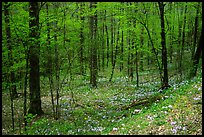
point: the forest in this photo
(102, 68)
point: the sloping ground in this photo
(179, 113)
(112, 108)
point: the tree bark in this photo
(163, 43)
(81, 38)
(93, 57)
(34, 81)
(197, 57)
(10, 57)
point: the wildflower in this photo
(170, 106)
(184, 128)
(199, 88)
(173, 123)
(115, 129)
(196, 98)
(174, 130)
(151, 118)
(137, 110)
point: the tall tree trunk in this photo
(12, 87)
(81, 38)
(103, 47)
(182, 43)
(121, 54)
(50, 61)
(34, 81)
(115, 56)
(10, 57)
(197, 57)
(179, 44)
(112, 40)
(56, 65)
(163, 43)
(195, 31)
(93, 57)
(107, 42)
(141, 54)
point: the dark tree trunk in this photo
(93, 57)
(195, 31)
(112, 40)
(141, 54)
(163, 43)
(103, 48)
(57, 67)
(115, 56)
(81, 38)
(107, 42)
(34, 81)
(182, 44)
(12, 88)
(121, 54)
(10, 57)
(197, 57)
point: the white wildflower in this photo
(137, 110)
(196, 98)
(115, 129)
(170, 106)
(149, 117)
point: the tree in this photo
(81, 38)
(12, 85)
(34, 51)
(163, 43)
(49, 66)
(196, 57)
(93, 51)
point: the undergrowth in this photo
(112, 109)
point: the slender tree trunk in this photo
(197, 57)
(10, 57)
(103, 47)
(121, 54)
(112, 40)
(115, 56)
(179, 44)
(195, 31)
(93, 59)
(107, 42)
(81, 38)
(163, 43)
(56, 65)
(12, 87)
(34, 83)
(49, 61)
(182, 44)
(141, 54)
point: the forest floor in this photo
(116, 108)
